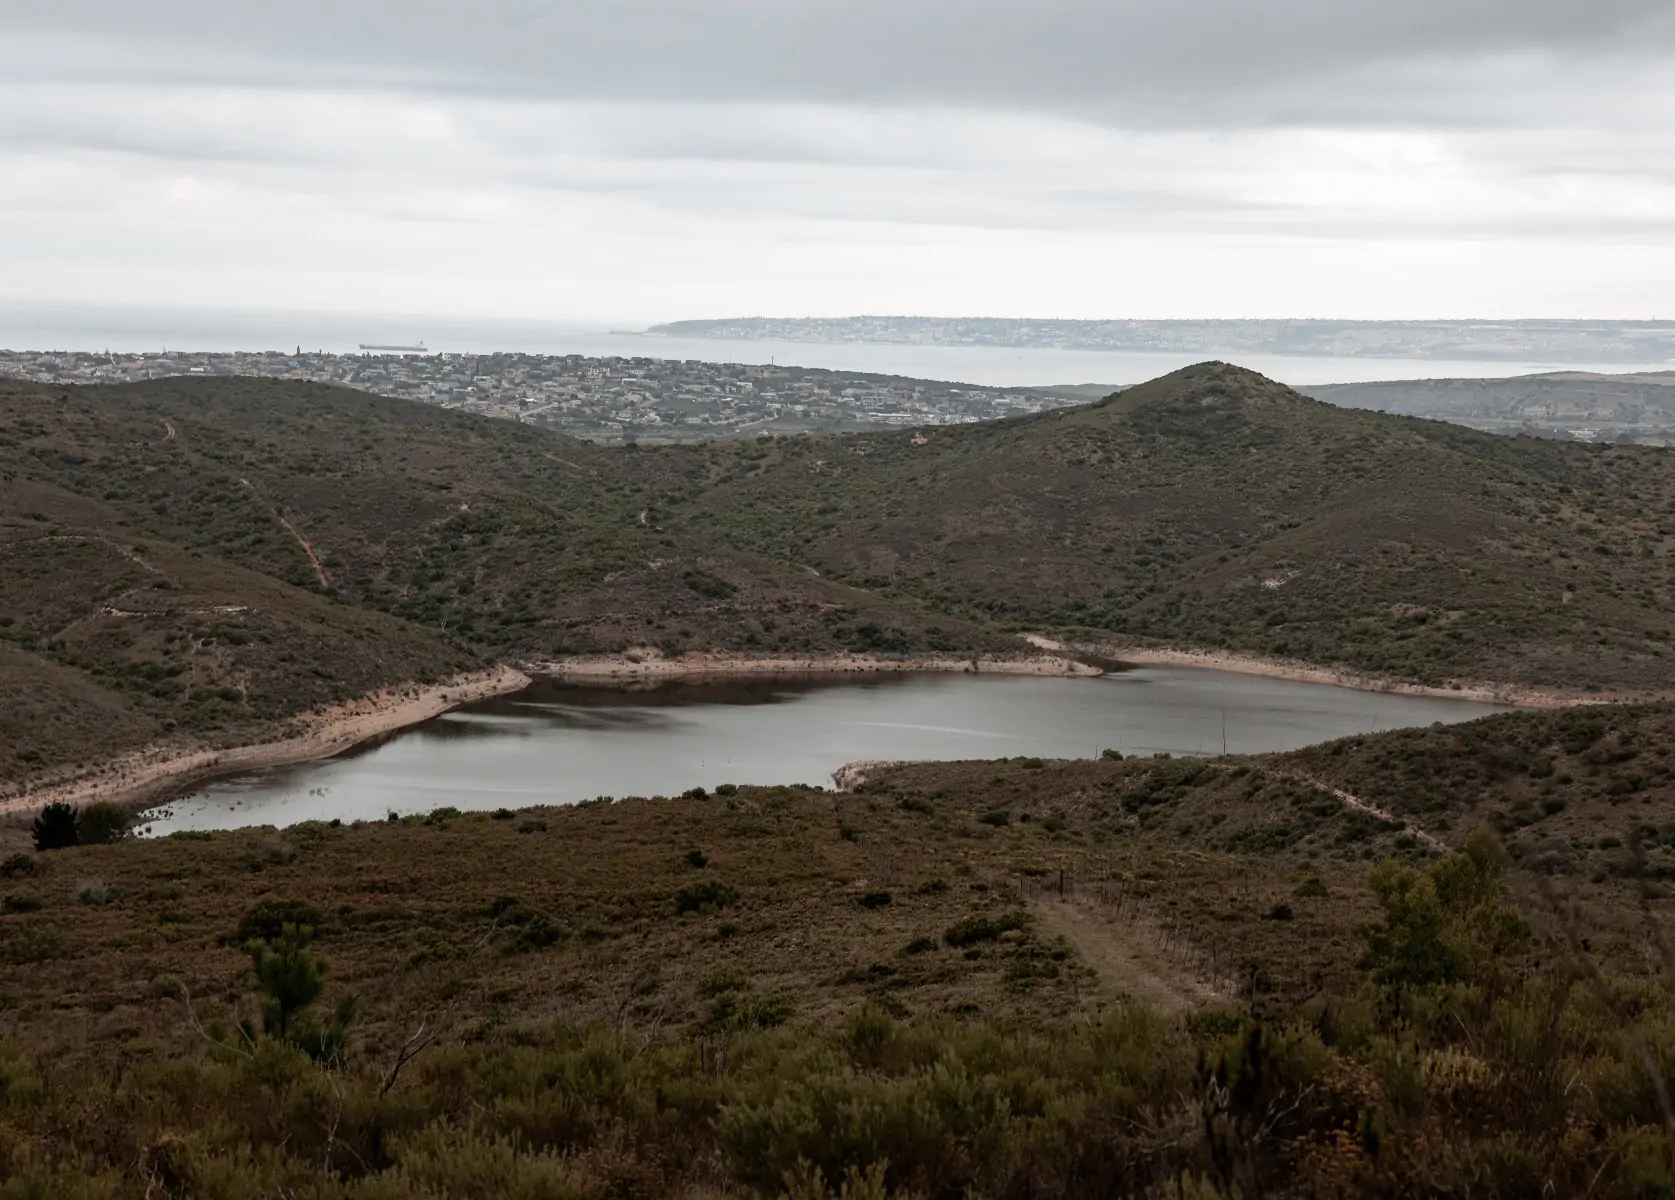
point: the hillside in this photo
(1583, 801)
(217, 554)
(1217, 508)
(1016, 979)
(111, 640)
(157, 540)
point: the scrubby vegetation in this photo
(1423, 963)
(156, 585)
(1215, 508)
(1443, 1044)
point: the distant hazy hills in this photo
(156, 584)
(1642, 342)
(1567, 403)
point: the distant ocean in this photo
(124, 328)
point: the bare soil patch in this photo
(1128, 956)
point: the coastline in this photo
(699, 665)
(145, 776)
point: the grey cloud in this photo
(658, 150)
(1184, 60)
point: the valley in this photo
(155, 569)
(1315, 968)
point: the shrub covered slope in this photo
(198, 558)
(997, 979)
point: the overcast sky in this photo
(641, 160)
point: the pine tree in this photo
(55, 827)
(290, 977)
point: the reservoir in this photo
(557, 743)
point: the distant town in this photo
(606, 399)
(1642, 342)
(619, 400)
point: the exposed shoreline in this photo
(143, 777)
(1510, 694)
(698, 665)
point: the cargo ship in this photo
(419, 349)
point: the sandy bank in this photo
(1511, 695)
(852, 775)
(137, 779)
(651, 665)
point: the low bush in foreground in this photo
(1464, 1063)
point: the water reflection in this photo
(556, 743)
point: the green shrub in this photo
(1312, 887)
(981, 927)
(705, 896)
(34, 941)
(265, 920)
(723, 980)
(22, 902)
(538, 933)
(739, 1010)
(1031, 965)
(1442, 923)
(292, 981)
(996, 817)
(870, 1035)
(926, 1131)
(100, 823)
(711, 587)
(531, 928)
(289, 976)
(876, 899)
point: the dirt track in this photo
(1126, 957)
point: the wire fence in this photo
(1142, 925)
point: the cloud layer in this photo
(646, 160)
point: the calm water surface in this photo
(558, 743)
(96, 327)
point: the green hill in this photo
(1582, 799)
(1213, 507)
(158, 541)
